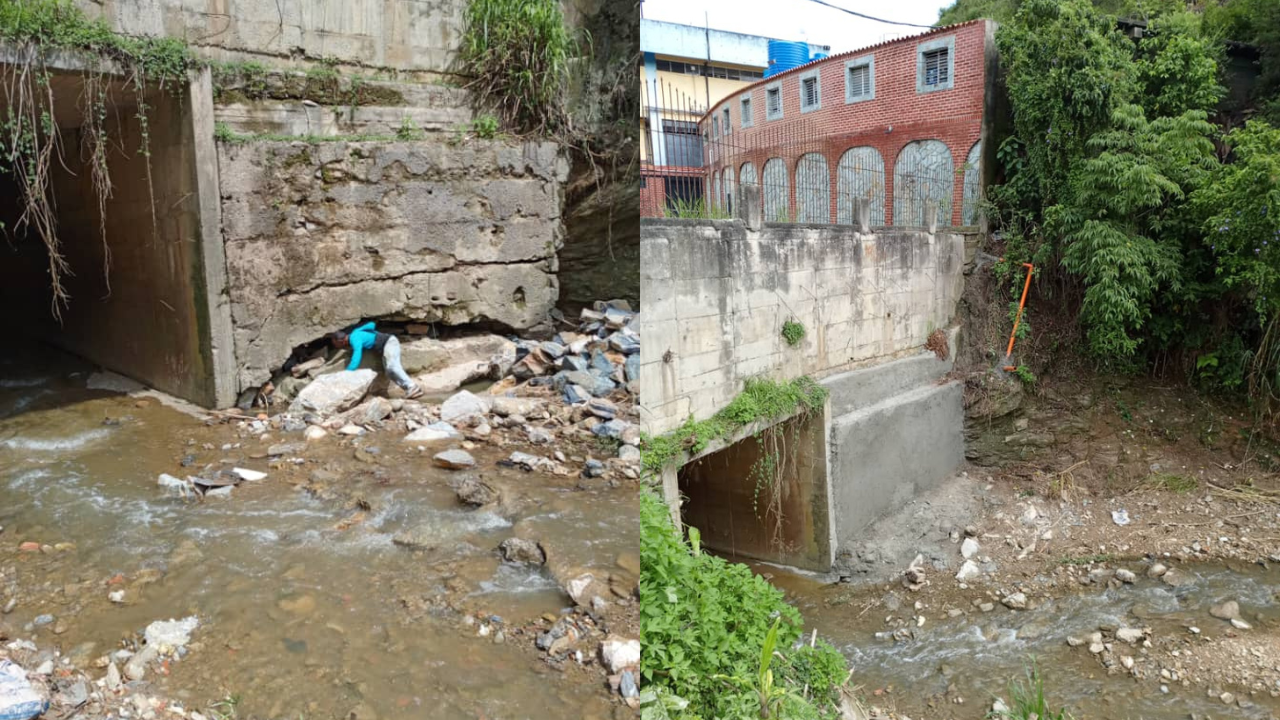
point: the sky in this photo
(801, 19)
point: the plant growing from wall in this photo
(792, 332)
(30, 140)
(517, 53)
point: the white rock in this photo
(454, 459)
(222, 492)
(435, 432)
(968, 571)
(1016, 601)
(1239, 624)
(619, 653)
(451, 378)
(1126, 576)
(45, 668)
(249, 475)
(463, 406)
(334, 393)
(1029, 515)
(1120, 517)
(113, 677)
(1129, 635)
(1127, 662)
(351, 430)
(314, 433)
(969, 548)
(116, 596)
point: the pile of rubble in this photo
(602, 356)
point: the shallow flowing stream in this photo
(306, 606)
(979, 653)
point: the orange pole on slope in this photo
(1018, 318)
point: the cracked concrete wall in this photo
(716, 295)
(320, 236)
(400, 34)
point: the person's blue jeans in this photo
(391, 361)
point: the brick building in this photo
(901, 124)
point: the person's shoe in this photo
(414, 392)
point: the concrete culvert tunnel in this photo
(740, 513)
(134, 275)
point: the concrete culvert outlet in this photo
(135, 283)
(729, 497)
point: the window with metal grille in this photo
(860, 81)
(747, 119)
(773, 102)
(810, 92)
(728, 124)
(682, 143)
(936, 69)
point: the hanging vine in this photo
(30, 139)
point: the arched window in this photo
(729, 198)
(747, 176)
(972, 191)
(923, 180)
(860, 174)
(776, 191)
(813, 189)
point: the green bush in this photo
(703, 617)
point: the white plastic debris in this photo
(176, 486)
(1120, 517)
(249, 475)
(19, 700)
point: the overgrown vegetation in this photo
(30, 140)
(1155, 226)
(517, 54)
(792, 332)
(718, 638)
(1027, 700)
(761, 399)
(693, 210)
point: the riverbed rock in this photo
(532, 462)
(1126, 576)
(113, 677)
(508, 406)
(969, 548)
(523, 551)
(375, 409)
(463, 406)
(1016, 601)
(435, 432)
(429, 355)
(335, 393)
(1229, 610)
(454, 459)
(452, 377)
(474, 491)
(968, 571)
(314, 433)
(619, 653)
(1130, 635)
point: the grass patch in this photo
(1174, 483)
(1076, 560)
(792, 332)
(517, 54)
(1027, 700)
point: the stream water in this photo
(979, 653)
(306, 606)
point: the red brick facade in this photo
(897, 114)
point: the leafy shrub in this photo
(792, 332)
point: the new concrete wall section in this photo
(896, 429)
(716, 295)
(319, 236)
(401, 34)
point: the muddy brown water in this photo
(979, 653)
(306, 606)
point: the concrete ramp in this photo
(896, 429)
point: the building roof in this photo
(691, 41)
(860, 51)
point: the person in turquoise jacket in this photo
(366, 337)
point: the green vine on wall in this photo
(761, 400)
(30, 140)
(793, 332)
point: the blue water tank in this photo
(817, 56)
(784, 55)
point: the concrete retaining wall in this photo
(319, 236)
(401, 34)
(716, 295)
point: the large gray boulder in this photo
(329, 394)
(428, 355)
(463, 406)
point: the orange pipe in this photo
(1018, 318)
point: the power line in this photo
(868, 17)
